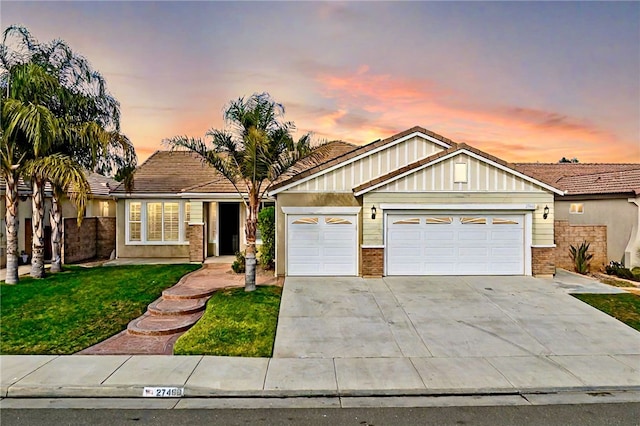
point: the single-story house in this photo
(415, 203)
(598, 194)
(100, 204)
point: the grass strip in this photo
(623, 306)
(79, 307)
(235, 323)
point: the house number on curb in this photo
(162, 392)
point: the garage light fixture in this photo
(373, 211)
(545, 212)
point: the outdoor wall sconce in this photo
(545, 212)
(373, 212)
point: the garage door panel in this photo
(299, 236)
(506, 235)
(473, 251)
(439, 251)
(408, 252)
(405, 235)
(439, 268)
(506, 252)
(475, 235)
(411, 268)
(512, 268)
(464, 244)
(321, 245)
(310, 252)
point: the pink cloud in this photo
(370, 106)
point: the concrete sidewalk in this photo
(121, 376)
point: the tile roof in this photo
(587, 178)
(99, 185)
(169, 172)
(219, 185)
(618, 182)
(359, 151)
(434, 157)
(173, 172)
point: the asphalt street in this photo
(566, 415)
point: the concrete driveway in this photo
(445, 317)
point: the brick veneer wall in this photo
(79, 243)
(567, 235)
(196, 243)
(96, 237)
(105, 236)
(543, 261)
(372, 262)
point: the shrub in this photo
(239, 264)
(267, 227)
(617, 269)
(581, 257)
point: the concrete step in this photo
(158, 325)
(174, 307)
(180, 292)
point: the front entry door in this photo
(229, 227)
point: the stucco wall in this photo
(144, 250)
(542, 228)
(93, 208)
(618, 215)
(306, 200)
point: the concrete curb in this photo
(75, 391)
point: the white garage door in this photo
(460, 244)
(322, 245)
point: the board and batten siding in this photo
(481, 177)
(377, 164)
(372, 229)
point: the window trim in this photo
(182, 231)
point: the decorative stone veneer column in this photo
(196, 243)
(543, 261)
(372, 261)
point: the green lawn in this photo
(72, 310)
(235, 323)
(624, 306)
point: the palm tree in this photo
(24, 125)
(252, 155)
(87, 117)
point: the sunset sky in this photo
(522, 81)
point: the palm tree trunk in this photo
(56, 234)
(11, 198)
(250, 232)
(37, 220)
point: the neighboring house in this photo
(598, 194)
(100, 204)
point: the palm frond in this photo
(65, 174)
(32, 122)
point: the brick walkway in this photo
(177, 310)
